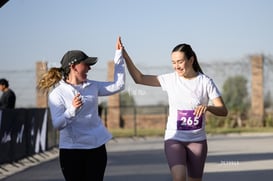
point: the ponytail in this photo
(196, 65)
(50, 78)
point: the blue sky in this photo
(218, 30)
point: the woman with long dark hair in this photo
(189, 92)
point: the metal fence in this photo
(23, 81)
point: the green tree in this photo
(268, 100)
(127, 103)
(235, 93)
(235, 96)
(126, 99)
(127, 106)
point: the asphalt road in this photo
(230, 157)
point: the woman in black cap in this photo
(73, 105)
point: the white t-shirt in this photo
(184, 95)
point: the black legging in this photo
(83, 165)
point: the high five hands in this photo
(119, 45)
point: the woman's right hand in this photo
(77, 101)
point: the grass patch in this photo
(125, 132)
(146, 132)
(239, 130)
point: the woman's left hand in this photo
(199, 110)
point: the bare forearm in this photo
(139, 78)
(133, 70)
(218, 110)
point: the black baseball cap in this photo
(76, 56)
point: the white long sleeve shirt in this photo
(82, 128)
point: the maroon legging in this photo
(190, 154)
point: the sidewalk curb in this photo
(12, 168)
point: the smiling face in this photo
(181, 64)
(79, 72)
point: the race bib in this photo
(186, 120)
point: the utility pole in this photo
(113, 104)
(41, 97)
(257, 97)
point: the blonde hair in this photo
(50, 78)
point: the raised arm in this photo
(139, 78)
(112, 87)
